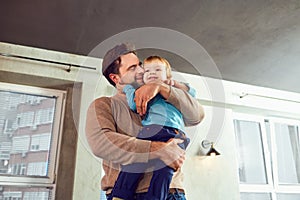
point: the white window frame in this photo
(281, 188)
(48, 181)
(258, 187)
(273, 187)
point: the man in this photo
(111, 127)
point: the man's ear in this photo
(114, 77)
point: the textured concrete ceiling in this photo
(251, 41)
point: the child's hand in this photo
(177, 84)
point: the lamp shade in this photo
(212, 151)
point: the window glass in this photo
(37, 169)
(255, 196)
(40, 142)
(25, 193)
(288, 153)
(26, 132)
(30, 120)
(20, 144)
(277, 145)
(288, 196)
(252, 168)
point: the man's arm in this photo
(190, 108)
(192, 111)
(106, 142)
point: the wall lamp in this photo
(212, 151)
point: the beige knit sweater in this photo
(111, 128)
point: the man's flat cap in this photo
(115, 53)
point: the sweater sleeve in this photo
(107, 141)
(191, 109)
(192, 90)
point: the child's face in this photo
(154, 72)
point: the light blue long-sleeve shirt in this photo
(158, 111)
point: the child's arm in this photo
(130, 94)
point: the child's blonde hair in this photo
(163, 61)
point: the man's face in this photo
(130, 70)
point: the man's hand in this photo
(143, 95)
(168, 152)
(148, 91)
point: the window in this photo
(12, 195)
(268, 156)
(20, 144)
(30, 125)
(256, 196)
(40, 142)
(37, 169)
(18, 169)
(36, 196)
(287, 155)
(26, 193)
(25, 119)
(44, 116)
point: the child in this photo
(162, 122)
